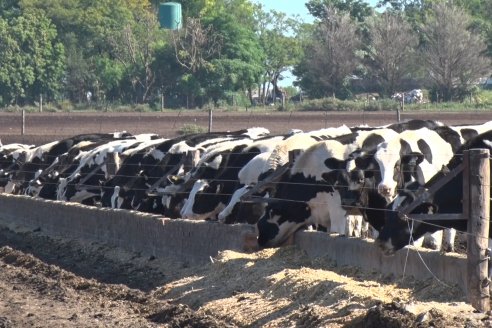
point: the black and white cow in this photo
(34, 161)
(84, 184)
(45, 185)
(265, 165)
(409, 161)
(399, 232)
(11, 158)
(248, 176)
(470, 131)
(117, 189)
(306, 195)
(416, 155)
(316, 198)
(210, 196)
(282, 218)
(426, 148)
(216, 178)
(41, 157)
(133, 189)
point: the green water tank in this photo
(170, 15)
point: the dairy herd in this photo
(344, 180)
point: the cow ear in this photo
(332, 163)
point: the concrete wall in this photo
(422, 264)
(191, 241)
(196, 241)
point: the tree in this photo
(357, 9)
(453, 55)
(277, 37)
(239, 65)
(78, 73)
(218, 52)
(9, 9)
(195, 45)
(31, 60)
(133, 47)
(391, 49)
(331, 58)
(481, 12)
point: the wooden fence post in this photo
(476, 203)
(210, 119)
(23, 122)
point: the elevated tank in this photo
(170, 15)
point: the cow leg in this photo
(449, 236)
(353, 226)
(364, 229)
(349, 225)
(289, 241)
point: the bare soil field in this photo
(45, 127)
(52, 282)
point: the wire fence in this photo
(158, 170)
(48, 160)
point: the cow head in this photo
(281, 219)
(398, 165)
(398, 231)
(204, 201)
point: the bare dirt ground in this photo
(45, 127)
(47, 282)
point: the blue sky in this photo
(292, 7)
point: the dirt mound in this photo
(35, 293)
(182, 316)
(85, 284)
(394, 315)
(5, 323)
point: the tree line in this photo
(115, 51)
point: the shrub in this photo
(191, 128)
(65, 106)
(332, 104)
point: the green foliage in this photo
(331, 57)
(334, 104)
(485, 97)
(452, 54)
(114, 48)
(358, 9)
(281, 48)
(31, 59)
(191, 128)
